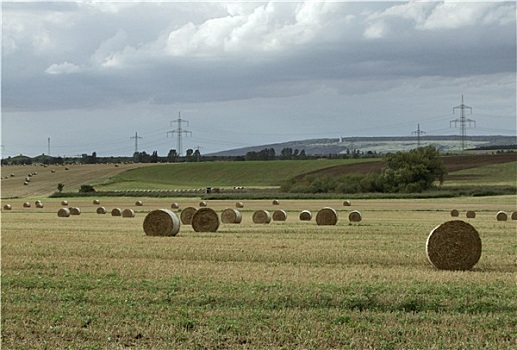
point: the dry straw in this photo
(261, 217)
(305, 215)
(161, 222)
(355, 216)
(128, 213)
(347, 203)
(139, 203)
(203, 204)
(116, 212)
(101, 210)
(75, 211)
(231, 216)
(455, 213)
(514, 215)
(326, 216)
(187, 214)
(279, 215)
(8, 207)
(239, 205)
(63, 212)
(453, 245)
(64, 202)
(205, 220)
(175, 206)
(501, 216)
(471, 214)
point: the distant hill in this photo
(378, 144)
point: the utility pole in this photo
(48, 147)
(462, 120)
(136, 137)
(179, 131)
(418, 132)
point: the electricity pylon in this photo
(418, 132)
(136, 137)
(179, 131)
(462, 120)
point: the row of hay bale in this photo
(126, 213)
(500, 216)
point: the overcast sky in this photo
(89, 75)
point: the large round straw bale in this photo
(64, 202)
(305, 215)
(453, 245)
(279, 215)
(63, 212)
(355, 216)
(501, 216)
(514, 215)
(239, 205)
(203, 204)
(75, 211)
(347, 203)
(175, 206)
(326, 216)
(187, 214)
(116, 212)
(276, 202)
(96, 201)
(471, 214)
(261, 217)
(26, 205)
(8, 207)
(455, 213)
(101, 210)
(139, 203)
(161, 222)
(39, 204)
(128, 213)
(205, 220)
(231, 216)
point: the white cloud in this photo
(63, 68)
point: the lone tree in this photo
(60, 187)
(413, 171)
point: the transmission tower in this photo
(179, 131)
(462, 120)
(418, 133)
(136, 137)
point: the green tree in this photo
(60, 187)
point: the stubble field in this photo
(98, 282)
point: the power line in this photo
(418, 133)
(462, 120)
(179, 131)
(136, 137)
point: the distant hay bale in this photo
(453, 245)
(8, 207)
(514, 215)
(276, 202)
(187, 214)
(347, 203)
(203, 204)
(326, 216)
(205, 220)
(63, 212)
(261, 217)
(279, 215)
(455, 213)
(128, 213)
(305, 215)
(161, 222)
(355, 216)
(101, 210)
(231, 216)
(239, 205)
(26, 205)
(139, 203)
(175, 206)
(39, 204)
(75, 211)
(26, 183)
(64, 202)
(501, 216)
(96, 201)
(116, 212)
(471, 214)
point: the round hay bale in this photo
(205, 220)
(305, 215)
(203, 204)
(261, 217)
(239, 205)
(514, 215)
(347, 203)
(279, 215)
(26, 183)
(8, 207)
(63, 212)
(471, 214)
(139, 203)
(501, 216)
(161, 222)
(175, 206)
(455, 213)
(64, 202)
(453, 245)
(75, 211)
(326, 216)
(187, 214)
(96, 202)
(116, 212)
(26, 205)
(101, 210)
(355, 216)
(276, 202)
(128, 213)
(39, 204)
(231, 216)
